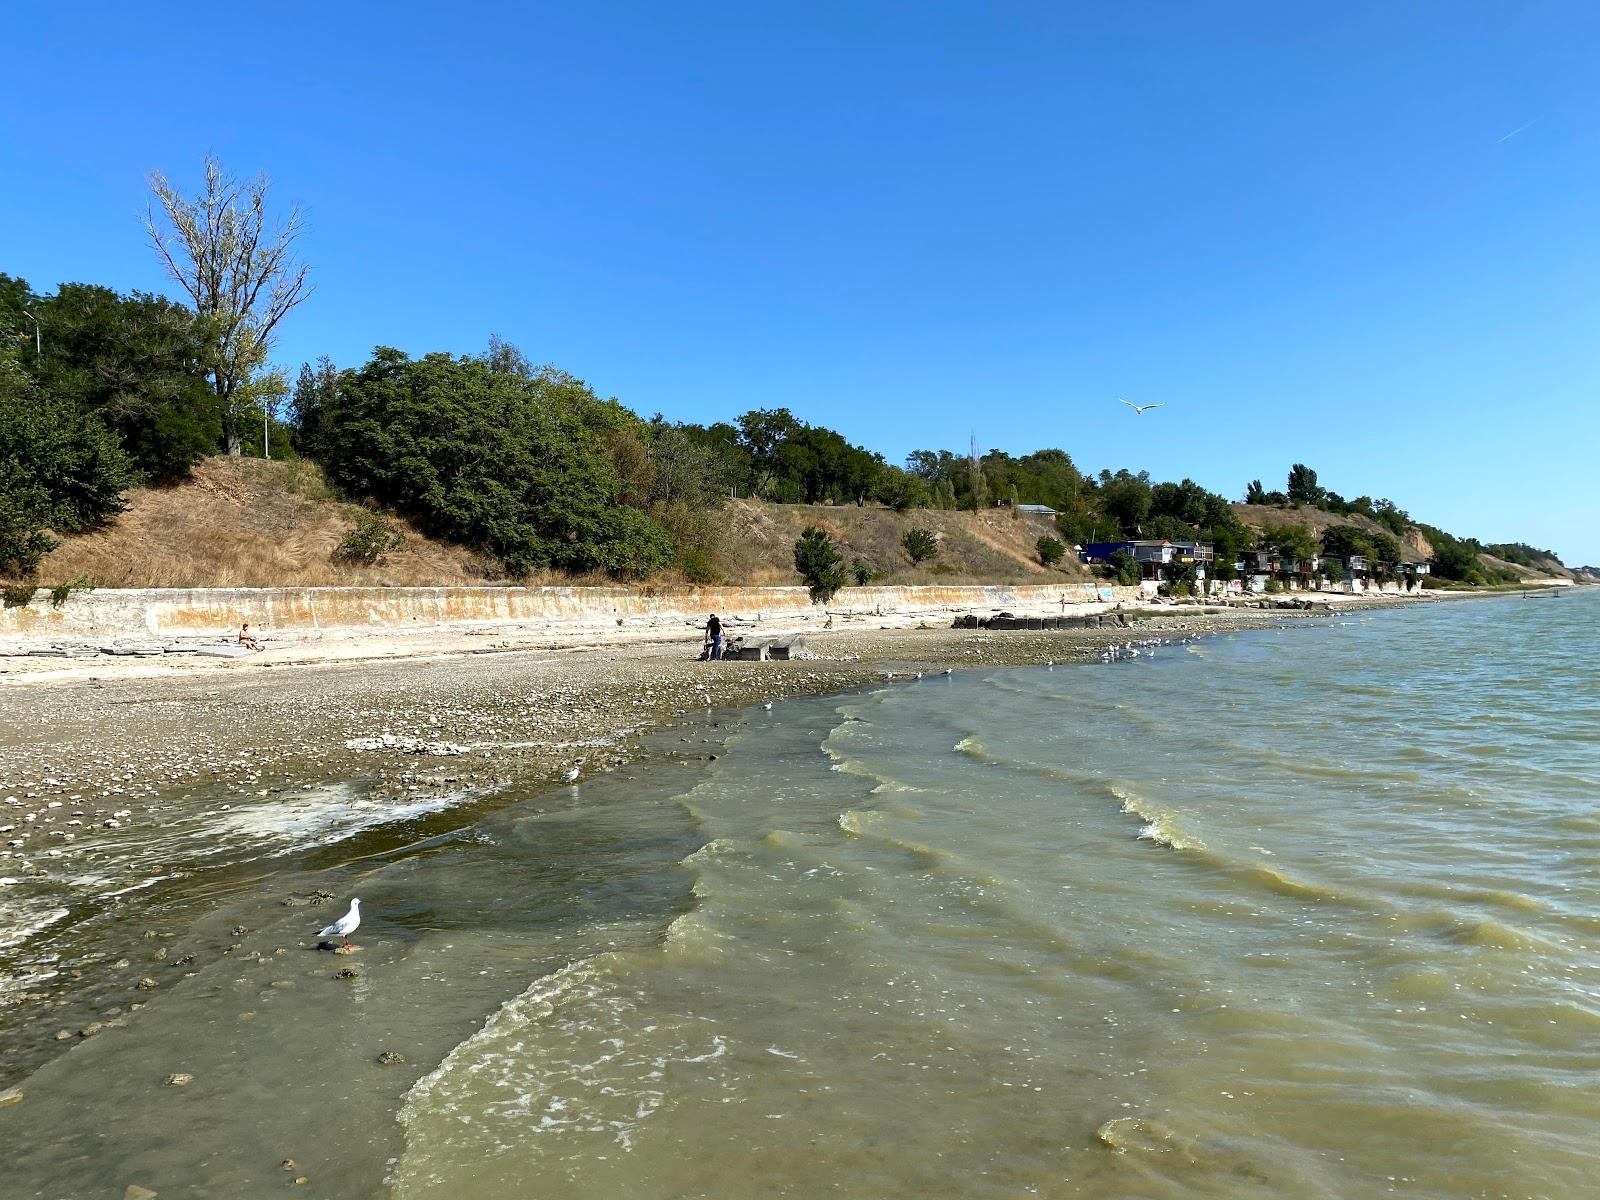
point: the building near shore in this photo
(1159, 561)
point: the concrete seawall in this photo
(176, 612)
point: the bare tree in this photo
(239, 270)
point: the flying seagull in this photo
(345, 925)
(1139, 408)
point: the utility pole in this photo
(38, 343)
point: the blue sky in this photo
(1304, 229)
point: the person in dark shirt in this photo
(714, 637)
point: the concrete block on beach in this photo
(781, 649)
(225, 650)
(143, 649)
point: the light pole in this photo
(38, 343)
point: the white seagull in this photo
(345, 925)
(571, 774)
(767, 706)
(1139, 408)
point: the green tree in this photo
(520, 467)
(1186, 502)
(685, 469)
(1125, 499)
(1291, 540)
(1170, 529)
(903, 491)
(820, 564)
(132, 361)
(1385, 549)
(1124, 567)
(61, 470)
(1303, 487)
(763, 433)
(919, 545)
(310, 406)
(1347, 541)
(1050, 550)
(862, 571)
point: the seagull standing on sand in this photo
(1139, 408)
(571, 773)
(345, 925)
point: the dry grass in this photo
(989, 547)
(245, 522)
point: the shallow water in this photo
(1302, 913)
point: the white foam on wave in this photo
(20, 920)
(971, 747)
(1161, 825)
(324, 815)
(580, 1055)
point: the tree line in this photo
(101, 391)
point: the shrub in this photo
(696, 565)
(820, 564)
(863, 572)
(369, 540)
(17, 595)
(78, 583)
(1124, 568)
(1050, 550)
(919, 545)
(60, 470)
(527, 464)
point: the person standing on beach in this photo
(714, 637)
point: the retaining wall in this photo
(168, 612)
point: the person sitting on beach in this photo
(714, 637)
(247, 639)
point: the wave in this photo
(972, 748)
(1310, 768)
(1488, 933)
(19, 921)
(1489, 897)
(881, 783)
(1162, 825)
(1283, 884)
(870, 825)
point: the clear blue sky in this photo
(1304, 229)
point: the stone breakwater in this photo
(155, 621)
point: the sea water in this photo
(1309, 912)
